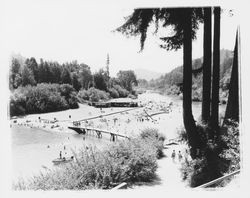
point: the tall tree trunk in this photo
(188, 119)
(206, 92)
(216, 71)
(232, 110)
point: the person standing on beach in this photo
(173, 155)
(179, 156)
(60, 154)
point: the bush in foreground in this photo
(216, 158)
(128, 161)
(152, 136)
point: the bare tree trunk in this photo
(206, 92)
(216, 71)
(188, 119)
(232, 110)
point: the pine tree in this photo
(27, 76)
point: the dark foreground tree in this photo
(188, 119)
(184, 22)
(206, 90)
(232, 110)
(216, 71)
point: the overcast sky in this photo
(61, 30)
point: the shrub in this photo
(42, 98)
(68, 92)
(96, 95)
(113, 93)
(126, 161)
(231, 152)
(152, 133)
(83, 95)
(173, 90)
(195, 171)
(136, 159)
(93, 95)
(152, 136)
(216, 157)
(122, 92)
(182, 135)
(17, 104)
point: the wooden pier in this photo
(88, 130)
(109, 114)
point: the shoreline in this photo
(129, 122)
(60, 120)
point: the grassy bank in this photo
(128, 161)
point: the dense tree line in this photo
(32, 73)
(171, 83)
(41, 87)
(78, 75)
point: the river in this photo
(34, 149)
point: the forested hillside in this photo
(171, 83)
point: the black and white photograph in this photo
(117, 96)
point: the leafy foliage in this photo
(42, 98)
(141, 19)
(113, 93)
(171, 83)
(216, 158)
(100, 80)
(67, 78)
(121, 91)
(128, 161)
(127, 79)
(93, 95)
(152, 136)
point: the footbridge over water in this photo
(98, 132)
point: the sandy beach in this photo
(127, 121)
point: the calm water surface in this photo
(34, 149)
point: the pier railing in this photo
(218, 180)
(123, 185)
